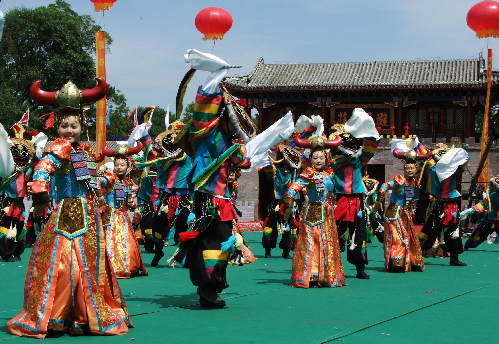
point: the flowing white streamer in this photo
(361, 125)
(450, 161)
(257, 148)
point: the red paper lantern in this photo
(103, 5)
(483, 18)
(213, 22)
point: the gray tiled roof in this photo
(363, 75)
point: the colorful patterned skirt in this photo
(401, 245)
(122, 246)
(317, 254)
(69, 282)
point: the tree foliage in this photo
(53, 44)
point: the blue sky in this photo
(151, 36)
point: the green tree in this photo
(50, 43)
(188, 111)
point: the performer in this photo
(359, 141)
(69, 284)
(174, 168)
(218, 129)
(243, 254)
(283, 171)
(443, 173)
(490, 222)
(374, 209)
(13, 190)
(317, 260)
(147, 199)
(119, 193)
(401, 245)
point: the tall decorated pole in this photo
(483, 179)
(100, 47)
(483, 18)
(101, 115)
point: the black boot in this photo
(209, 298)
(285, 254)
(361, 274)
(267, 253)
(454, 261)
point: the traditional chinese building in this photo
(437, 100)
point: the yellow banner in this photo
(101, 105)
(484, 176)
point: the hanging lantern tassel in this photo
(483, 18)
(103, 5)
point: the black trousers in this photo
(433, 228)
(356, 230)
(206, 262)
(274, 219)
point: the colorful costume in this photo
(358, 146)
(401, 245)
(243, 254)
(283, 171)
(317, 254)
(13, 190)
(122, 247)
(214, 148)
(443, 181)
(374, 214)
(490, 223)
(69, 282)
(146, 198)
(174, 169)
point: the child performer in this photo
(69, 284)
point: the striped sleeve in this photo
(107, 180)
(295, 188)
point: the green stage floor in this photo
(444, 304)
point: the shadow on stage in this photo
(189, 301)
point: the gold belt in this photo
(314, 213)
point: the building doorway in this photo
(376, 171)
